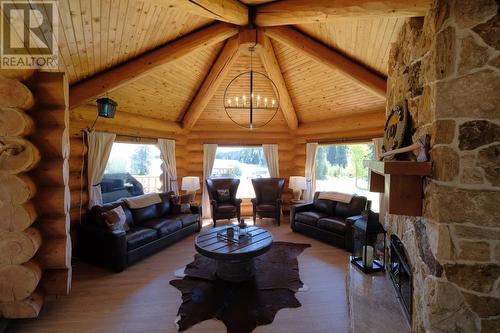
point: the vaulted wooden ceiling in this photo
(97, 36)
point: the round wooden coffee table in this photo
(235, 261)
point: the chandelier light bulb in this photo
(273, 103)
(229, 102)
(244, 100)
(265, 102)
(258, 100)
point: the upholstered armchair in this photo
(267, 201)
(223, 201)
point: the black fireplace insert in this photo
(401, 275)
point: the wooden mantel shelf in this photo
(401, 183)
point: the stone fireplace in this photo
(446, 67)
(401, 274)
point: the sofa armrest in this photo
(195, 208)
(302, 207)
(254, 201)
(237, 202)
(213, 203)
(103, 246)
(294, 209)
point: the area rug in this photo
(241, 306)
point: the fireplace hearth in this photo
(401, 275)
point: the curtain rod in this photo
(132, 138)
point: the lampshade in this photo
(297, 183)
(190, 184)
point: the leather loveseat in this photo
(151, 229)
(328, 220)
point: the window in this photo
(132, 169)
(340, 168)
(244, 163)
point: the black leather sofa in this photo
(328, 220)
(151, 229)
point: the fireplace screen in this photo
(401, 276)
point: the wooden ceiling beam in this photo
(124, 120)
(230, 11)
(287, 12)
(270, 62)
(357, 122)
(327, 56)
(133, 69)
(213, 80)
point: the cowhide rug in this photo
(241, 306)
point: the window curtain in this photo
(310, 170)
(167, 152)
(271, 155)
(99, 148)
(209, 151)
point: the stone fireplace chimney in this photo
(447, 68)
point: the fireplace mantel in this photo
(401, 183)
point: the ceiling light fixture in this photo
(251, 99)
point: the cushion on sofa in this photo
(116, 220)
(165, 206)
(187, 219)
(357, 205)
(143, 214)
(310, 217)
(223, 195)
(325, 206)
(163, 226)
(226, 209)
(97, 219)
(139, 236)
(266, 208)
(332, 224)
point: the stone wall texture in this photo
(446, 67)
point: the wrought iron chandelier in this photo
(251, 99)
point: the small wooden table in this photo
(235, 261)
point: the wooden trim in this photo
(329, 57)
(268, 58)
(144, 64)
(288, 12)
(213, 80)
(230, 11)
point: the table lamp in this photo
(297, 184)
(190, 185)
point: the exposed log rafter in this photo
(214, 78)
(287, 12)
(230, 11)
(268, 58)
(144, 64)
(327, 56)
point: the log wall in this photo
(27, 252)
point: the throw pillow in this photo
(185, 208)
(116, 219)
(223, 195)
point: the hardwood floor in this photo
(140, 299)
